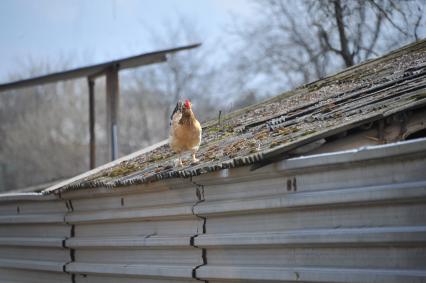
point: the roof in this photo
(270, 130)
(95, 70)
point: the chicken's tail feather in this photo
(178, 108)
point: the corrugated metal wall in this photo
(348, 217)
(32, 236)
(144, 232)
(357, 216)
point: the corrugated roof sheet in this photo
(264, 132)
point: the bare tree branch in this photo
(388, 16)
(345, 53)
(304, 40)
(377, 28)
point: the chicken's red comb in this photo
(187, 104)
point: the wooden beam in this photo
(112, 93)
(92, 148)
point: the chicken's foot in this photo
(194, 159)
(178, 161)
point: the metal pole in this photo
(112, 108)
(91, 84)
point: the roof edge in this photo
(91, 69)
(67, 182)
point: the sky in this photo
(87, 32)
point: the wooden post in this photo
(92, 149)
(112, 92)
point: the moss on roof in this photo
(357, 95)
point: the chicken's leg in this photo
(194, 159)
(178, 162)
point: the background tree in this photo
(45, 135)
(305, 40)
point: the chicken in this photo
(185, 131)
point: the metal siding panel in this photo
(25, 276)
(351, 237)
(35, 253)
(356, 216)
(385, 215)
(127, 279)
(142, 270)
(42, 207)
(137, 255)
(128, 242)
(31, 241)
(141, 229)
(160, 197)
(32, 218)
(175, 212)
(246, 184)
(141, 234)
(32, 264)
(342, 256)
(317, 275)
(413, 192)
(35, 230)
(8, 208)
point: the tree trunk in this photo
(344, 46)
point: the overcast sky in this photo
(98, 30)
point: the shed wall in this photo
(354, 216)
(357, 216)
(32, 237)
(142, 234)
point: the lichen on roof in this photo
(360, 94)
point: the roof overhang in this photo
(98, 69)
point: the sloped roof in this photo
(270, 130)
